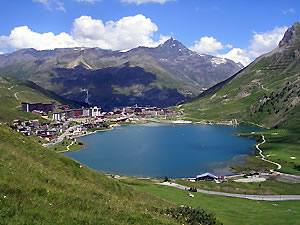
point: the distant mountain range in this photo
(267, 92)
(161, 76)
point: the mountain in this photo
(161, 76)
(267, 92)
(13, 92)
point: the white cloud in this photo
(52, 4)
(260, 43)
(237, 55)
(264, 42)
(289, 11)
(208, 45)
(23, 37)
(88, 32)
(122, 34)
(138, 2)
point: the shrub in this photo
(192, 189)
(192, 216)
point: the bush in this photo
(80, 143)
(192, 216)
(192, 189)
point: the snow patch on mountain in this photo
(217, 61)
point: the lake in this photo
(158, 150)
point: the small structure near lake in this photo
(206, 177)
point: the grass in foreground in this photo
(229, 210)
(39, 186)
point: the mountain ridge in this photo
(178, 71)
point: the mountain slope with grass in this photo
(39, 186)
(13, 92)
(267, 93)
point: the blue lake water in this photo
(155, 150)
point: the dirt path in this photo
(12, 87)
(263, 157)
(68, 147)
(16, 96)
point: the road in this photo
(61, 137)
(252, 197)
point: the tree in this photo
(166, 179)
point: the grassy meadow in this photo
(229, 210)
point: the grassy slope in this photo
(282, 144)
(265, 93)
(25, 92)
(40, 186)
(240, 97)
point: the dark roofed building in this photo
(206, 177)
(45, 107)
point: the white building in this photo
(96, 112)
(56, 116)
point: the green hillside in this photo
(13, 92)
(259, 94)
(267, 93)
(39, 186)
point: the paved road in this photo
(252, 197)
(263, 157)
(61, 137)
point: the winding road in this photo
(252, 197)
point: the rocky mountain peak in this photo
(291, 36)
(173, 45)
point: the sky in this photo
(240, 30)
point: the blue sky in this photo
(236, 29)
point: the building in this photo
(57, 116)
(77, 113)
(206, 177)
(96, 112)
(44, 107)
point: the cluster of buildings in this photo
(45, 131)
(63, 113)
(87, 117)
(124, 114)
(66, 114)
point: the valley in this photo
(149, 112)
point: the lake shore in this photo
(192, 133)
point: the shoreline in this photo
(93, 132)
(172, 123)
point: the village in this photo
(59, 122)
